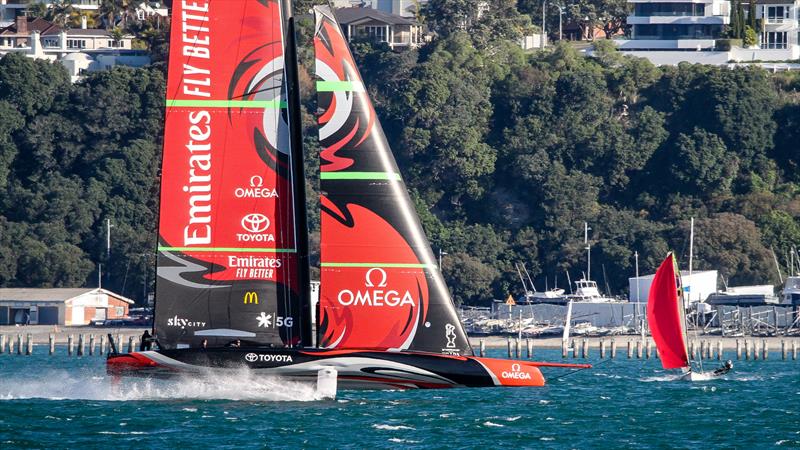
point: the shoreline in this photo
(40, 334)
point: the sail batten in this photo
(380, 287)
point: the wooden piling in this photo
(52, 343)
(702, 349)
(746, 349)
(602, 349)
(91, 345)
(481, 346)
(738, 350)
(794, 350)
(28, 344)
(638, 349)
(2, 343)
(783, 350)
(764, 350)
(10, 345)
(648, 349)
(574, 349)
(103, 345)
(756, 355)
(585, 349)
(70, 345)
(19, 343)
(709, 350)
(131, 348)
(658, 354)
(510, 351)
(693, 349)
(529, 347)
(630, 349)
(719, 350)
(613, 348)
(519, 348)
(80, 344)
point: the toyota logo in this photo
(255, 223)
(250, 357)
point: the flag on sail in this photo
(665, 318)
(227, 239)
(380, 285)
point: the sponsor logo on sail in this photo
(266, 321)
(450, 335)
(516, 373)
(375, 279)
(255, 190)
(253, 357)
(250, 298)
(183, 323)
(255, 224)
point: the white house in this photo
(398, 32)
(79, 49)
(75, 307)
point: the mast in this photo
(588, 251)
(298, 173)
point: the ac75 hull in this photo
(357, 369)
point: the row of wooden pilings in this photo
(747, 349)
(10, 345)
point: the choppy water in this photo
(60, 402)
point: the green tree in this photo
(702, 163)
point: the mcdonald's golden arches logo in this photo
(251, 298)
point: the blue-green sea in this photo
(62, 402)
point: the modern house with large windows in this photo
(688, 25)
(779, 28)
(669, 32)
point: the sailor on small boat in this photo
(725, 368)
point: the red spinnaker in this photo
(664, 317)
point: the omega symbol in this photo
(382, 282)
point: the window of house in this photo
(775, 40)
(377, 33)
(76, 43)
(120, 311)
(777, 14)
(50, 43)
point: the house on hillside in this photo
(79, 49)
(779, 27)
(70, 307)
(399, 32)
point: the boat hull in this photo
(356, 369)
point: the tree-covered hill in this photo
(507, 154)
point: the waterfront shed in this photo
(60, 306)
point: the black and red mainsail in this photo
(380, 287)
(228, 262)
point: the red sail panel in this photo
(664, 316)
(227, 265)
(380, 286)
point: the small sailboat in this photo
(233, 285)
(666, 318)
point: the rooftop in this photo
(51, 295)
(351, 15)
